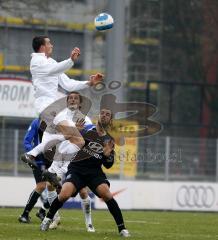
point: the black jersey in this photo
(90, 158)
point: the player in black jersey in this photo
(85, 170)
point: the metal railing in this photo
(166, 158)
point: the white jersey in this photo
(71, 117)
(47, 74)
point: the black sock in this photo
(31, 202)
(56, 204)
(46, 205)
(116, 213)
(41, 210)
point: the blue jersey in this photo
(32, 139)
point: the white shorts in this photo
(48, 108)
(42, 103)
(60, 168)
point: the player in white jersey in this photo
(71, 116)
(47, 75)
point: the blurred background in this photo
(163, 52)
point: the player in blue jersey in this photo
(32, 138)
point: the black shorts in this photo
(81, 180)
(37, 173)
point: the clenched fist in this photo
(75, 54)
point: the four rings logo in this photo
(196, 196)
(96, 147)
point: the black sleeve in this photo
(108, 161)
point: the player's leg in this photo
(100, 186)
(73, 182)
(73, 143)
(54, 169)
(70, 138)
(48, 109)
(48, 141)
(68, 189)
(86, 206)
(45, 205)
(64, 127)
(33, 198)
(52, 194)
(60, 168)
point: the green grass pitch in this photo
(144, 225)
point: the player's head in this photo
(74, 100)
(42, 44)
(105, 118)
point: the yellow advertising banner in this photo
(126, 147)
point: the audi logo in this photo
(96, 147)
(196, 196)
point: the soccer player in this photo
(85, 170)
(33, 138)
(47, 75)
(71, 116)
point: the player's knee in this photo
(104, 192)
(64, 196)
(40, 187)
(79, 141)
(107, 196)
(68, 189)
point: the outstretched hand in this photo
(80, 124)
(95, 79)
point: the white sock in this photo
(86, 206)
(44, 195)
(36, 150)
(51, 196)
(57, 217)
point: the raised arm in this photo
(71, 85)
(75, 85)
(41, 66)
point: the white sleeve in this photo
(41, 67)
(70, 84)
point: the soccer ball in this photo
(103, 22)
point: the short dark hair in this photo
(37, 42)
(80, 97)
